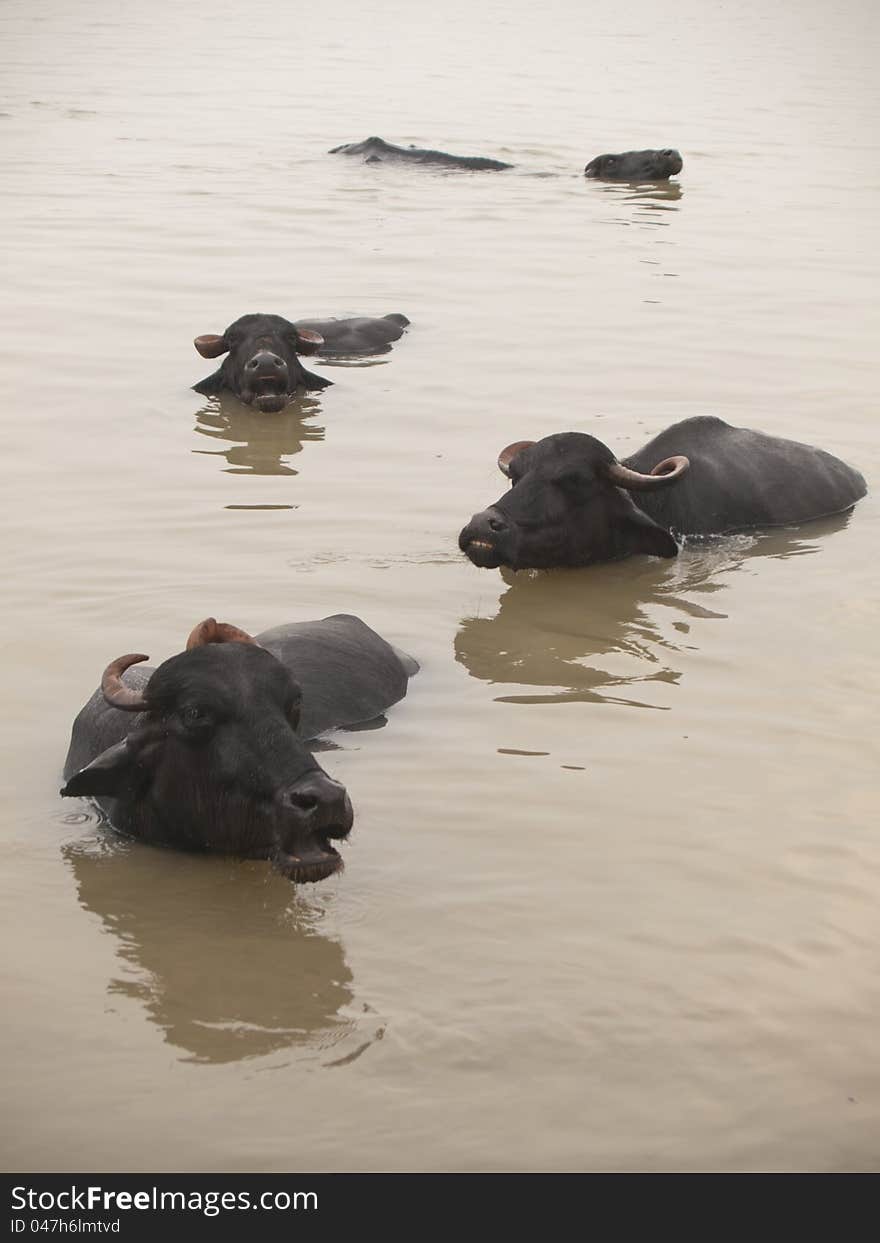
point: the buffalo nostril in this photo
(316, 797)
(302, 800)
(264, 360)
(497, 524)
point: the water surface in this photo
(613, 896)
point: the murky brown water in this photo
(613, 896)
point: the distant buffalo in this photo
(571, 502)
(627, 166)
(262, 367)
(208, 752)
(377, 150)
(635, 166)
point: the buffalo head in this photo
(213, 761)
(569, 505)
(636, 166)
(262, 366)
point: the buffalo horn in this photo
(212, 631)
(114, 690)
(663, 474)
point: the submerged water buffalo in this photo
(570, 503)
(377, 150)
(361, 334)
(207, 752)
(636, 166)
(262, 367)
(626, 166)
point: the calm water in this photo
(613, 896)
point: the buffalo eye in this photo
(196, 719)
(294, 709)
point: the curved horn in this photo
(506, 456)
(212, 631)
(114, 690)
(663, 474)
(210, 345)
(309, 341)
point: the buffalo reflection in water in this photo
(649, 200)
(226, 958)
(263, 441)
(604, 633)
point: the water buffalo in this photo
(262, 367)
(361, 334)
(648, 165)
(571, 504)
(208, 752)
(627, 166)
(636, 166)
(377, 150)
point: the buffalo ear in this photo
(106, 774)
(644, 535)
(209, 345)
(308, 342)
